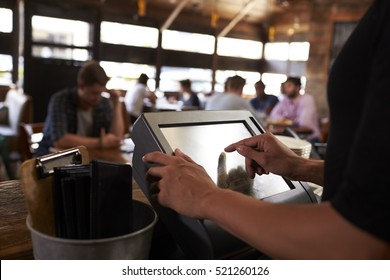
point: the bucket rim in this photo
(98, 240)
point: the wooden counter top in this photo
(15, 239)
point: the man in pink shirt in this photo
(300, 109)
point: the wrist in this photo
(209, 201)
(310, 170)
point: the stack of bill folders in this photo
(70, 197)
(92, 201)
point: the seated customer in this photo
(81, 116)
(231, 99)
(187, 96)
(135, 97)
(263, 102)
(298, 109)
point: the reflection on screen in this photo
(205, 144)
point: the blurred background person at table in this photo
(297, 109)
(136, 97)
(282, 89)
(187, 96)
(263, 102)
(225, 86)
(82, 116)
(231, 99)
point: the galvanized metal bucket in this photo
(132, 246)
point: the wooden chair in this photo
(3, 92)
(30, 134)
(18, 107)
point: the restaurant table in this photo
(15, 239)
(280, 129)
(110, 154)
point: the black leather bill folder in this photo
(93, 201)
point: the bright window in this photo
(61, 31)
(72, 33)
(276, 51)
(130, 35)
(170, 77)
(239, 48)
(5, 62)
(273, 82)
(303, 84)
(5, 69)
(295, 51)
(124, 75)
(60, 53)
(6, 25)
(190, 42)
(299, 51)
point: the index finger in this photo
(249, 142)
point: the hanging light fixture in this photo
(141, 8)
(271, 33)
(214, 19)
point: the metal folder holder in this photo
(45, 165)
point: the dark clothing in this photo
(270, 100)
(62, 118)
(357, 162)
(133, 118)
(192, 101)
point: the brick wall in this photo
(324, 14)
(317, 28)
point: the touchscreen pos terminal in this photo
(203, 135)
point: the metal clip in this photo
(46, 164)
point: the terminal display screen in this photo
(205, 144)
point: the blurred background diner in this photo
(188, 97)
(231, 99)
(263, 102)
(296, 109)
(138, 97)
(44, 44)
(82, 116)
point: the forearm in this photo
(70, 140)
(117, 124)
(308, 170)
(286, 231)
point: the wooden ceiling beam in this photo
(174, 15)
(243, 12)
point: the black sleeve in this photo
(365, 190)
